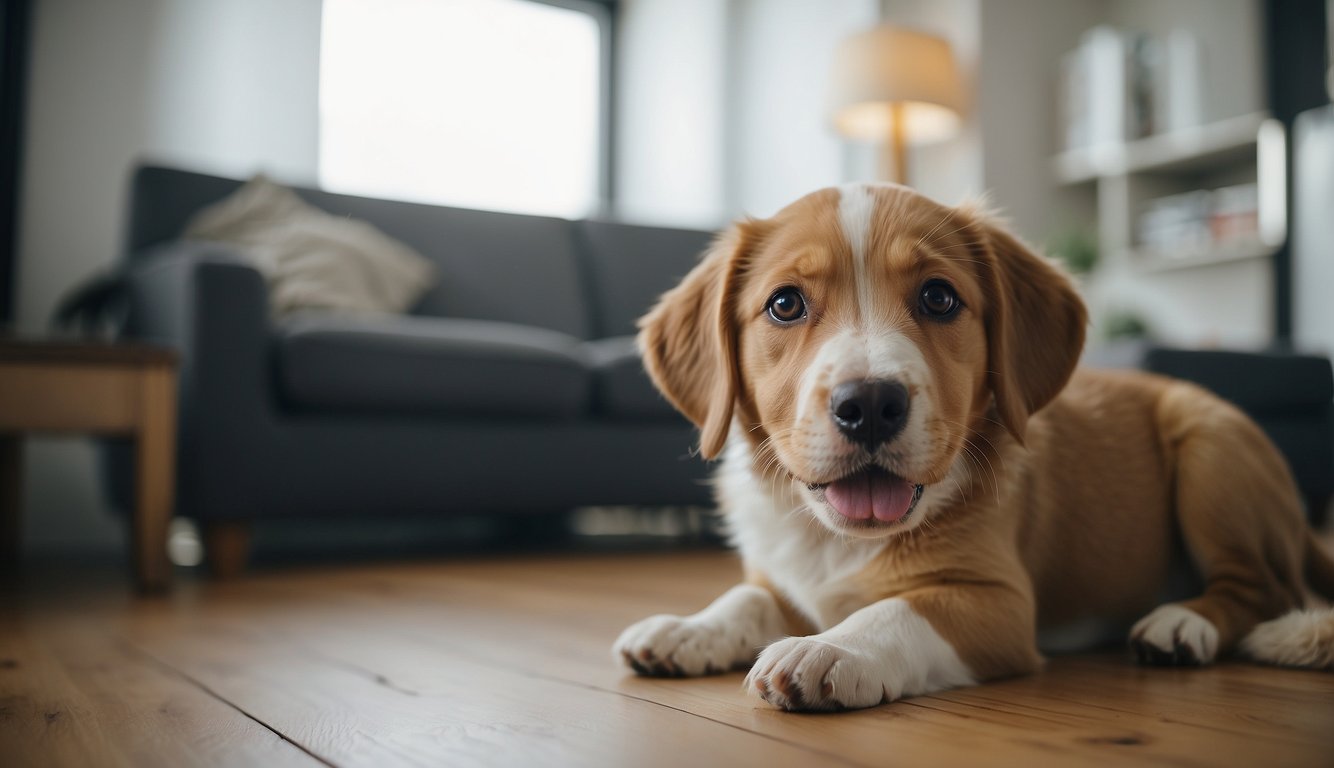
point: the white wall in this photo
(221, 86)
(780, 145)
(1021, 42)
(671, 103)
(235, 86)
(722, 106)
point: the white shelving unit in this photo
(1216, 296)
(1238, 250)
(1126, 176)
(1205, 146)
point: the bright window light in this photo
(472, 103)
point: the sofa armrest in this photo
(183, 294)
(210, 303)
(207, 301)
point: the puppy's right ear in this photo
(689, 339)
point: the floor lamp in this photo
(898, 86)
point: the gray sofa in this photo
(514, 385)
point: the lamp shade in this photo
(890, 67)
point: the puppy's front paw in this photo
(685, 646)
(813, 674)
(1173, 635)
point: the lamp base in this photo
(894, 152)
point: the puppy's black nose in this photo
(869, 412)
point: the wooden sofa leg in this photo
(11, 499)
(227, 547)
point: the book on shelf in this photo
(1120, 85)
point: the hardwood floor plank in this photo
(354, 714)
(44, 718)
(1231, 698)
(72, 696)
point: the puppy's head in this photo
(857, 340)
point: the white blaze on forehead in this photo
(856, 209)
(856, 204)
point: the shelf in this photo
(1205, 146)
(1153, 261)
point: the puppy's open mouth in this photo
(871, 494)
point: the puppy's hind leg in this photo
(1240, 518)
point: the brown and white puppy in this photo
(916, 483)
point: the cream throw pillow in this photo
(311, 258)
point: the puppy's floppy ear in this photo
(689, 339)
(1035, 325)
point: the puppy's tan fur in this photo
(1057, 495)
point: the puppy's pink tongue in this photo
(871, 493)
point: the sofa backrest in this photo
(630, 266)
(493, 266)
(162, 200)
(590, 279)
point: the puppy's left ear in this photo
(1035, 325)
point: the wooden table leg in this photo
(155, 478)
(11, 499)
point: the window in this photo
(495, 104)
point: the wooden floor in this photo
(506, 662)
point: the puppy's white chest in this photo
(812, 567)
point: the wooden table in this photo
(101, 389)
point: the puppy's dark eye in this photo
(939, 300)
(787, 305)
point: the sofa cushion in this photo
(621, 387)
(468, 368)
